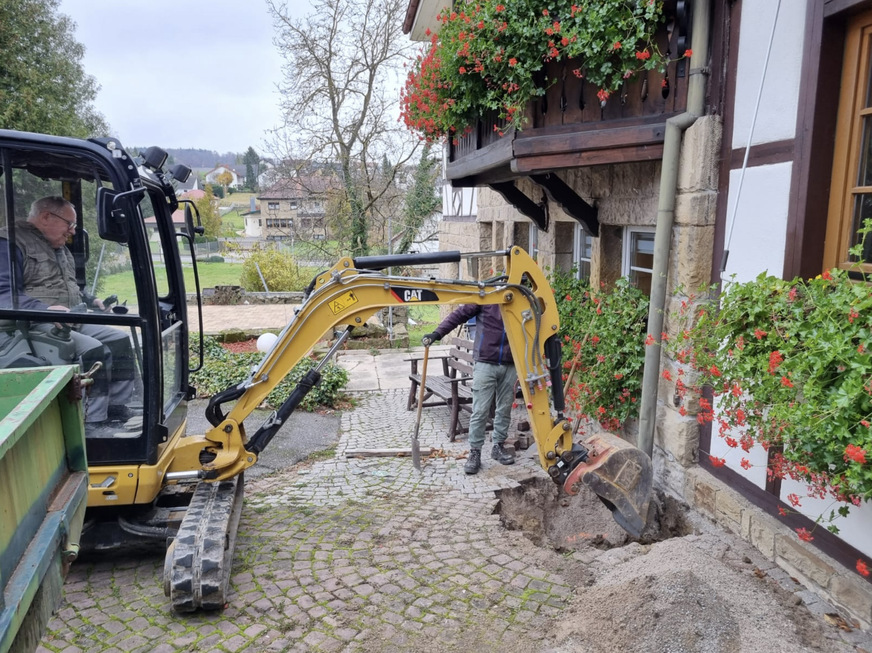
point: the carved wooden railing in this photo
(571, 102)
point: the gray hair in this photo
(51, 203)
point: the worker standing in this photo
(493, 379)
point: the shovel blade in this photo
(621, 476)
(416, 451)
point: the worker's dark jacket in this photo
(491, 344)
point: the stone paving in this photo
(345, 554)
(355, 555)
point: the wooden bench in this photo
(451, 388)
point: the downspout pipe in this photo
(675, 128)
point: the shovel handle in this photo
(423, 388)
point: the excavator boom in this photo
(352, 291)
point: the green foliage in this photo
(790, 365)
(208, 209)
(604, 332)
(43, 87)
(489, 56)
(252, 168)
(222, 369)
(280, 271)
(422, 200)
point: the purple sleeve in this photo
(456, 318)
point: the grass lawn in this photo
(232, 221)
(239, 199)
(211, 275)
(426, 318)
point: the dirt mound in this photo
(565, 523)
(680, 595)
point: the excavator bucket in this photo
(621, 476)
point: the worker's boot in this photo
(502, 455)
(473, 462)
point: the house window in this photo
(293, 205)
(851, 198)
(638, 257)
(582, 252)
(564, 239)
(272, 206)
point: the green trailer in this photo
(43, 493)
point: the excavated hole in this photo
(549, 518)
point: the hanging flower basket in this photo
(489, 56)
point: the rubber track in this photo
(197, 567)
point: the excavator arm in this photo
(353, 290)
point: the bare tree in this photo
(340, 99)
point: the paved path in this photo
(366, 555)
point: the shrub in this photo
(279, 270)
(790, 366)
(604, 334)
(223, 369)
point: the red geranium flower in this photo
(855, 453)
(804, 535)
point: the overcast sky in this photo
(182, 73)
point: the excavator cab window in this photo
(46, 319)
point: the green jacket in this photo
(48, 274)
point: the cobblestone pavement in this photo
(345, 554)
(355, 555)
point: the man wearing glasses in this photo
(46, 278)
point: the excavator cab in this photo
(127, 225)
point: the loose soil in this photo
(684, 586)
(242, 347)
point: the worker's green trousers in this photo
(491, 383)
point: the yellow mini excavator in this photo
(150, 480)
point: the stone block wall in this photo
(677, 436)
(804, 562)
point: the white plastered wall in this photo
(776, 117)
(757, 228)
(757, 207)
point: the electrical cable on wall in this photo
(732, 220)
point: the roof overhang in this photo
(421, 15)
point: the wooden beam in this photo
(542, 144)
(385, 453)
(563, 194)
(540, 164)
(487, 158)
(538, 213)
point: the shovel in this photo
(416, 449)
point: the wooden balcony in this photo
(569, 127)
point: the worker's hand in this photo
(430, 338)
(98, 304)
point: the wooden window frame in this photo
(855, 89)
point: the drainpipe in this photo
(675, 128)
